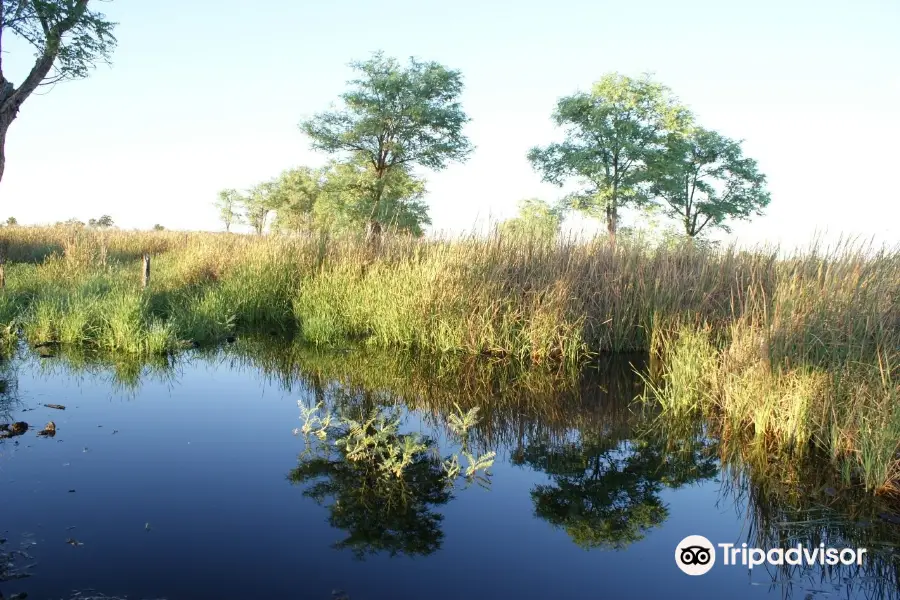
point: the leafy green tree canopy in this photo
(294, 196)
(346, 204)
(103, 222)
(258, 203)
(395, 117)
(702, 179)
(608, 134)
(68, 40)
(536, 218)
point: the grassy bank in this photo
(528, 299)
(784, 352)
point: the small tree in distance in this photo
(103, 222)
(395, 117)
(228, 205)
(536, 219)
(294, 196)
(258, 203)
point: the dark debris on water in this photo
(8, 430)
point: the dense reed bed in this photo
(783, 352)
(526, 298)
(811, 362)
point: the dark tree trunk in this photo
(3, 129)
(373, 230)
(612, 220)
(5, 121)
(373, 227)
(612, 207)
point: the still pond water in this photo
(186, 480)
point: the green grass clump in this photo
(808, 358)
(112, 319)
(849, 411)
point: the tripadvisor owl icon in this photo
(695, 555)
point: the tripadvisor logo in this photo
(696, 555)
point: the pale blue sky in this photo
(206, 95)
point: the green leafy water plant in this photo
(460, 422)
(376, 441)
(478, 463)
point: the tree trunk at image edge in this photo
(4, 126)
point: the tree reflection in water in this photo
(605, 492)
(379, 513)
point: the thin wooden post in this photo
(145, 271)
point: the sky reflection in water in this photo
(183, 480)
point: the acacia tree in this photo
(609, 133)
(395, 117)
(702, 179)
(68, 40)
(228, 204)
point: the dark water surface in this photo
(174, 481)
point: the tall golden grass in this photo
(811, 360)
(529, 298)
